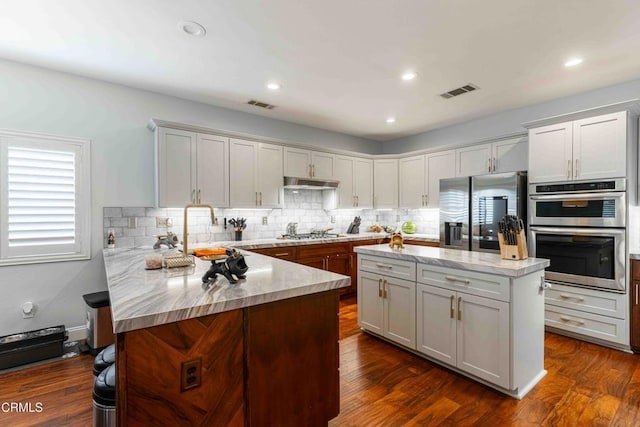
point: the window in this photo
(45, 200)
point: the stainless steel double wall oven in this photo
(581, 228)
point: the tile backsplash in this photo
(301, 206)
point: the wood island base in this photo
(269, 364)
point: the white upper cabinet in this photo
(591, 148)
(385, 186)
(191, 168)
(308, 164)
(509, 155)
(419, 178)
(356, 182)
(257, 178)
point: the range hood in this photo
(296, 183)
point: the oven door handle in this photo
(593, 195)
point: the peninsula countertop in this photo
(482, 262)
(143, 298)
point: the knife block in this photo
(514, 252)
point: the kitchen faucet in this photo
(184, 235)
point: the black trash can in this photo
(104, 398)
(104, 359)
(99, 325)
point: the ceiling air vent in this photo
(459, 91)
(261, 104)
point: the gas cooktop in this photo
(312, 235)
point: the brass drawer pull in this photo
(457, 279)
(384, 266)
(452, 312)
(459, 308)
(571, 319)
(581, 299)
(283, 254)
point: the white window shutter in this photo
(45, 197)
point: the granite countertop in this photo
(481, 262)
(143, 298)
(274, 243)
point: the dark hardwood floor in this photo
(381, 385)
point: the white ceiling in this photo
(339, 61)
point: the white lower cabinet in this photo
(466, 331)
(487, 326)
(595, 315)
(387, 306)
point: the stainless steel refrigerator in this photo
(470, 208)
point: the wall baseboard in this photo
(77, 333)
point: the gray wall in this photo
(114, 117)
(511, 121)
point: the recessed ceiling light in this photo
(273, 86)
(391, 120)
(409, 75)
(192, 28)
(573, 62)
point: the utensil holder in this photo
(238, 235)
(514, 252)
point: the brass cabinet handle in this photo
(384, 288)
(581, 299)
(357, 201)
(457, 279)
(380, 288)
(571, 319)
(193, 196)
(494, 164)
(451, 312)
(261, 198)
(568, 168)
(379, 265)
(426, 200)
(354, 201)
(636, 293)
(575, 172)
(199, 196)
(313, 171)
(256, 198)
(459, 308)
(489, 163)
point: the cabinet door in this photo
(176, 176)
(635, 306)
(436, 323)
(439, 165)
(483, 338)
(212, 160)
(385, 187)
(510, 155)
(339, 263)
(364, 183)
(412, 177)
(243, 166)
(297, 162)
(370, 302)
(270, 176)
(322, 165)
(400, 311)
(344, 172)
(315, 262)
(550, 153)
(474, 160)
(600, 147)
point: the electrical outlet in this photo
(163, 222)
(397, 217)
(133, 222)
(377, 218)
(333, 219)
(191, 374)
(265, 220)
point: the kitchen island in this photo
(472, 312)
(263, 351)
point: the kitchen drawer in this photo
(589, 300)
(592, 325)
(387, 266)
(323, 249)
(483, 285)
(635, 269)
(288, 253)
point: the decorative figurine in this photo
(396, 240)
(233, 265)
(170, 241)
